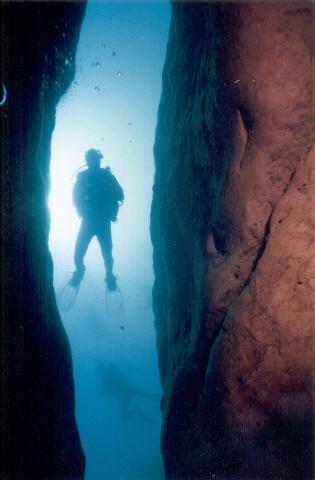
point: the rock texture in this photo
(38, 430)
(233, 228)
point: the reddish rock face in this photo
(233, 226)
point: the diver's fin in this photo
(110, 281)
(67, 297)
(115, 302)
(77, 277)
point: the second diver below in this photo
(97, 196)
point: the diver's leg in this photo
(83, 240)
(104, 236)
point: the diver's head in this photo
(93, 158)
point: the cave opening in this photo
(111, 106)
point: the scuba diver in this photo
(115, 383)
(97, 197)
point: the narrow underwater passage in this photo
(112, 106)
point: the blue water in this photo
(112, 106)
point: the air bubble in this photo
(4, 95)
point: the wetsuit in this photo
(96, 196)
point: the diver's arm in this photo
(119, 191)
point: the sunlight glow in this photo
(112, 106)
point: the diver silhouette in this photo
(114, 382)
(97, 196)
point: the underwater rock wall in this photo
(233, 229)
(38, 431)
